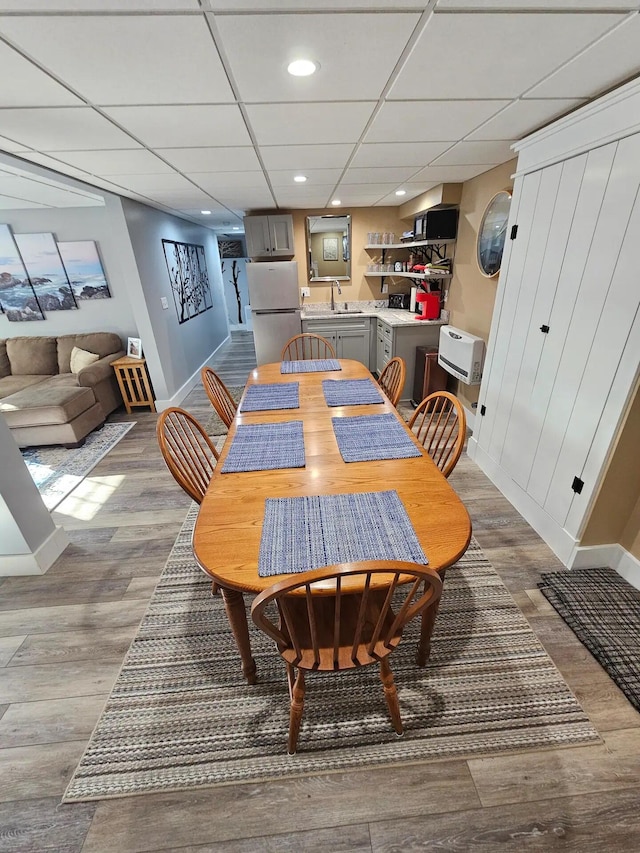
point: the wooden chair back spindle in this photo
(344, 617)
(440, 425)
(219, 395)
(392, 378)
(187, 451)
(307, 346)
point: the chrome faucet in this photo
(337, 284)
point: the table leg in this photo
(423, 649)
(237, 615)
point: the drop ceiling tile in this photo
(282, 124)
(450, 174)
(523, 117)
(57, 166)
(497, 55)
(380, 175)
(314, 200)
(175, 127)
(136, 161)
(426, 121)
(211, 159)
(145, 184)
(191, 198)
(471, 153)
(139, 59)
(12, 146)
(63, 129)
(213, 181)
(259, 48)
(35, 89)
(314, 178)
(245, 199)
(99, 5)
(378, 190)
(522, 5)
(612, 60)
(413, 191)
(46, 193)
(295, 5)
(414, 154)
(306, 156)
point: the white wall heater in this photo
(461, 354)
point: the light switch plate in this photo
(164, 302)
(385, 288)
(305, 291)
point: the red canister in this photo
(429, 304)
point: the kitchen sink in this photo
(348, 311)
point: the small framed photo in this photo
(134, 347)
(419, 228)
(330, 249)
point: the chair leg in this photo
(215, 589)
(427, 624)
(297, 707)
(391, 695)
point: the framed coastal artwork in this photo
(46, 271)
(189, 278)
(84, 268)
(17, 296)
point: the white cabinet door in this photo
(281, 235)
(256, 229)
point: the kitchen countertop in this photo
(391, 316)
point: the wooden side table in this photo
(133, 380)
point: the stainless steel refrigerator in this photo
(275, 306)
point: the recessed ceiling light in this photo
(300, 179)
(336, 202)
(205, 212)
(302, 67)
(236, 227)
(401, 192)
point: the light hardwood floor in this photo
(63, 637)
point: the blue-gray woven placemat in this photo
(300, 534)
(363, 438)
(260, 398)
(350, 392)
(261, 447)
(310, 365)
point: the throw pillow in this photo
(81, 358)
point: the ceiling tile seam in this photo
(580, 53)
(411, 42)
(224, 59)
(563, 10)
(23, 198)
(40, 179)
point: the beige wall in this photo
(328, 268)
(472, 295)
(363, 220)
(616, 513)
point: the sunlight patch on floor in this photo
(90, 496)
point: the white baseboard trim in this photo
(471, 418)
(190, 384)
(613, 555)
(38, 562)
(557, 538)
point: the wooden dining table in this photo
(227, 534)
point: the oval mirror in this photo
(492, 234)
(329, 247)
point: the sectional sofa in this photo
(41, 399)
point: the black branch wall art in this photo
(189, 278)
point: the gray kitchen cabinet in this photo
(349, 336)
(402, 341)
(269, 236)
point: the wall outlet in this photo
(385, 288)
(305, 291)
(164, 302)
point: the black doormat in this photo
(603, 611)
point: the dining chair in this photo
(306, 346)
(391, 380)
(188, 453)
(341, 618)
(440, 425)
(219, 395)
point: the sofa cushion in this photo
(81, 358)
(101, 343)
(32, 356)
(12, 384)
(5, 366)
(50, 404)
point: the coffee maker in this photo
(427, 305)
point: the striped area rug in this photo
(181, 716)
